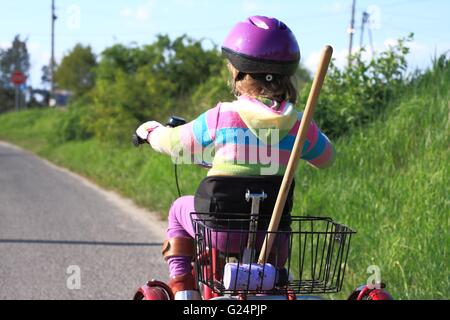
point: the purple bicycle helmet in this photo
(262, 45)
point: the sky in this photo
(103, 23)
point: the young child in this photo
(263, 56)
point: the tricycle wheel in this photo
(365, 293)
(154, 290)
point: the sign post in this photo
(18, 78)
(17, 98)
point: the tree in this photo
(46, 77)
(303, 76)
(77, 70)
(15, 58)
(357, 95)
(137, 83)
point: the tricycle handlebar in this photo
(137, 141)
(172, 123)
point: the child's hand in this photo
(145, 129)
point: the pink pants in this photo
(180, 225)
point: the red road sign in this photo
(18, 78)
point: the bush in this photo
(135, 84)
(76, 71)
(7, 98)
(73, 124)
(209, 93)
(356, 95)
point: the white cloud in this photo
(313, 59)
(141, 13)
(39, 56)
(187, 3)
(389, 42)
(5, 44)
(126, 12)
(250, 6)
(335, 7)
(420, 54)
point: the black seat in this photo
(225, 195)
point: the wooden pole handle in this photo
(296, 153)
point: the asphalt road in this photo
(61, 237)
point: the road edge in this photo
(147, 218)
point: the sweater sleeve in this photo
(318, 151)
(188, 141)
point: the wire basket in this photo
(310, 258)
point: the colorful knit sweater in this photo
(243, 138)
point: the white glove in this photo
(145, 129)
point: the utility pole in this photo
(371, 41)
(351, 31)
(52, 61)
(365, 19)
(17, 102)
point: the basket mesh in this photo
(310, 258)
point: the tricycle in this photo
(260, 259)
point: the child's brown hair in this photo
(270, 86)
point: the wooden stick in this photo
(296, 153)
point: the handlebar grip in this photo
(173, 122)
(137, 141)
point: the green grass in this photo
(139, 173)
(390, 183)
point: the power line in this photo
(52, 61)
(365, 19)
(351, 31)
(400, 3)
(371, 41)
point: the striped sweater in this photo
(246, 137)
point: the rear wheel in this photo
(365, 293)
(154, 290)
